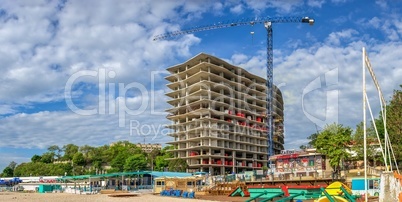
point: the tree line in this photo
(340, 143)
(71, 160)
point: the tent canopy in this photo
(112, 175)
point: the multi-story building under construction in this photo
(218, 116)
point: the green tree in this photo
(312, 138)
(42, 169)
(36, 158)
(394, 122)
(78, 159)
(12, 165)
(47, 157)
(118, 162)
(87, 151)
(333, 141)
(357, 144)
(8, 172)
(152, 158)
(178, 165)
(120, 156)
(69, 151)
(379, 123)
(118, 153)
(135, 162)
(161, 161)
(55, 150)
(96, 157)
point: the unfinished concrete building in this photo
(218, 117)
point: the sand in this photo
(65, 197)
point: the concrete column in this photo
(389, 187)
(234, 162)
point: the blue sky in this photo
(54, 54)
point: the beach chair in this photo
(191, 195)
(184, 195)
(168, 192)
(178, 193)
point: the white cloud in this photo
(238, 9)
(254, 64)
(282, 7)
(42, 129)
(335, 37)
(391, 26)
(42, 47)
(6, 109)
(84, 35)
(338, 1)
(340, 100)
(239, 58)
(315, 3)
(398, 25)
(382, 4)
(295, 71)
(375, 22)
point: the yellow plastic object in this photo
(334, 189)
(337, 198)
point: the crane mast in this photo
(267, 21)
(270, 91)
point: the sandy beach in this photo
(65, 197)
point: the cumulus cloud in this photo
(382, 4)
(63, 41)
(338, 1)
(253, 64)
(282, 7)
(391, 26)
(41, 129)
(315, 3)
(6, 109)
(238, 9)
(375, 22)
(322, 84)
(336, 37)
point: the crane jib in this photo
(235, 23)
